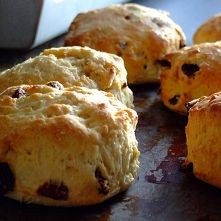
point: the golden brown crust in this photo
(79, 66)
(203, 139)
(67, 147)
(140, 35)
(195, 71)
(209, 31)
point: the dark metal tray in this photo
(162, 190)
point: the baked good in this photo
(203, 138)
(70, 66)
(140, 35)
(209, 31)
(195, 71)
(65, 147)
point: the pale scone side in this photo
(71, 146)
(203, 139)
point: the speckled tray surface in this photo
(162, 191)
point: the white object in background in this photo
(57, 15)
(26, 24)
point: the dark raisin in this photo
(164, 63)
(103, 182)
(174, 99)
(7, 179)
(145, 66)
(54, 190)
(124, 85)
(119, 53)
(191, 104)
(123, 45)
(127, 17)
(55, 84)
(186, 167)
(190, 69)
(19, 93)
(182, 44)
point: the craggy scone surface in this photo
(195, 71)
(204, 140)
(73, 146)
(140, 35)
(209, 31)
(80, 66)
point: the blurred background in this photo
(26, 24)
(29, 23)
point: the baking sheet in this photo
(162, 190)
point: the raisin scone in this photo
(65, 146)
(140, 35)
(194, 72)
(80, 66)
(203, 138)
(209, 31)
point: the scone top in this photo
(140, 35)
(206, 103)
(79, 66)
(209, 31)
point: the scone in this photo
(195, 71)
(65, 147)
(209, 31)
(70, 66)
(203, 138)
(140, 35)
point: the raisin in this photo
(54, 190)
(190, 69)
(7, 179)
(174, 99)
(145, 66)
(19, 93)
(103, 182)
(164, 63)
(55, 84)
(123, 45)
(182, 44)
(127, 17)
(124, 85)
(186, 167)
(119, 53)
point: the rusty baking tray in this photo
(163, 190)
